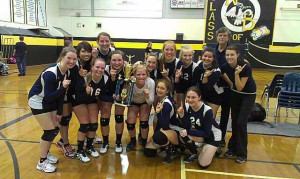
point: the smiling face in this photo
(98, 68)
(85, 55)
(141, 76)
(151, 63)
(192, 98)
(186, 56)
(104, 42)
(161, 90)
(207, 58)
(69, 60)
(231, 57)
(116, 61)
(169, 51)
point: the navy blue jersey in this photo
(76, 78)
(105, 57)
(155, 74)
(167, 115)
(211, 89)
(100, 87)
(250, 86)
(48, 92)
(171, 68)
(120, 74)
(220, 56)
(201, 123)
(185, 81)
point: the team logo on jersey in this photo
(240, 16)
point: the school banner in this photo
(248, 20)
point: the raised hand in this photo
(238, 69)
(164, 72)
(178, 74)
(82, 71)
(180, 111)
(159, 107)
(94, 52)
(113, 74)
(88, 89)
(146, 91)
(207, 73)
(66, 82)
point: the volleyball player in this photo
(199, 126)
(143, 97)
(114, 70)
(46, 98)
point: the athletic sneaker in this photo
(51, 158)
(219, 151)
(97, 140)
(104, 148)
(46, 166)
(68, 147)
(189, 158)
(169, 158)
(130, 145)
(228, 153)
(118, 148)
(92, 152)
(223, 143)
(82, 157)
(240, 160)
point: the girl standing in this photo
(46, 99)
(238, 74)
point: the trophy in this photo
(125, 85)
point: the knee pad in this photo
(160, 138)
(144, 124)
(150, 152)
(49, 135)
(65, 120)
(119, 119)
(84, 128)
(130, 126)
(104, 121)
(203, 167)
(93, 126)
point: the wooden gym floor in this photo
(268, 156)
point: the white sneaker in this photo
(104, 149)
(51, 158)
(97, 140)
(118, 148)
(82, 157)
(92, 152)
(46, 166)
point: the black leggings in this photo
(241, 105)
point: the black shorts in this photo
(212, 142)
(138, 104)
(216, 99)
(41, 111)
(106, 98)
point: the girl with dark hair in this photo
(206, 77)
(198, 126)
(163, 135)
(238, 74)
